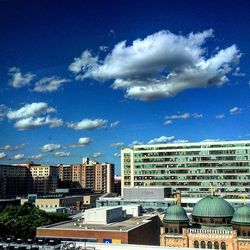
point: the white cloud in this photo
(85, 141)
(220, 116)
(183, 116)
(32, 116)
(197, 115)
(3, 111)
(103, 48)
(19, 80)
(117, 155)
(237, 72)
(36, 157)
(178, 116)
(2, 155)
(180, 141)
(82, 142)
(211, 140)
(11, 148)
(31, 122)
(18, 157)
(235, 110)
(50, 147)
(87, 124)
(114, 124)
(136, 142)
(159, 66)
(62, 154)
(117, 145)
(167, 122)
(97, 154)
(30, 110)
(162, 139)
(49, 84)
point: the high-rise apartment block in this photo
(191, 168)
(45, 178)
(14, 180)
(91, 174)
(27, 178)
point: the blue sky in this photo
(84, 78)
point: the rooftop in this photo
(125, 225)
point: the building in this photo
(149, 198)
(14, 181)
(65, 173)
(117, 184)
(213, 225)
(189, 167)
(106, 225)
(91, 174)
(45, 178)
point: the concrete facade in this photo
(189, 167)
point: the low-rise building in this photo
(112, 227)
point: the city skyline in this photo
(88, 78)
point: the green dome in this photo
(242, 215)
(212, 206)
(175, 213)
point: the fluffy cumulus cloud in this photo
(30, 110)
(87, 124)
(18, 79)
(49, 84)
(18, 157)
(2, 155)
(85, 141)
(50, 147)
(82, 142)
(160, 65)
(162, 139)
(31, 122)
(61, 154)
(235, 110)
(117, 145)
(34, 115)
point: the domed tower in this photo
(175, 219)
(212, 211)
(241, 221)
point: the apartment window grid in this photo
(190, 166)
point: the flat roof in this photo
(125, 225)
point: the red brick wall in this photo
(69, 233)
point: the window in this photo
(209, 245)
(196, 244)
(203, 244)
(223, 245)
(216, 245)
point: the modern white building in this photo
(191, 168)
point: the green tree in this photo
(22, 221)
